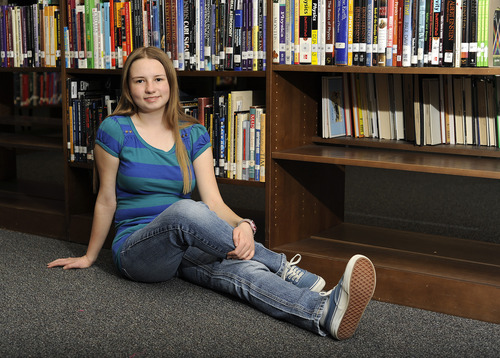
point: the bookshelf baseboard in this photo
(452, 276)
(33, 216)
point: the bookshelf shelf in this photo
(486, 71)
(15, 120)
(428, 270)
(30, 142)
(456, 149)
(33, 207)
(29, 69)
(395, 160)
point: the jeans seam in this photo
(162, 230)
(249, 284)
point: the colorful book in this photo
(305, 40)
(341, 21)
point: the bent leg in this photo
(154, 253)
(254, 283)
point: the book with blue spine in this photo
(421, 32)
(238, 26)
(341, 22)
(107, 35)
(180, 34)
(369, 32)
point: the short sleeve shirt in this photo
(149, 179)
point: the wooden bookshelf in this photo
(304, 191)
(306, 201)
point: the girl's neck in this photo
(150, 120)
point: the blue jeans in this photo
(190, 241)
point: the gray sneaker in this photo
(300, 277)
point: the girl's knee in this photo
(187, 210)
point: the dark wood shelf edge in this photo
(454, 149)
(118, 71)
(31, 121)
(34, 141)
(426, 245)
(29, 69)
(241, 182)
(484, 71)
(433, 163)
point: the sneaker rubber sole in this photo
(318, 285)
(359, 286)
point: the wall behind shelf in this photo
(454, 206)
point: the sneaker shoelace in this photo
(292, 272)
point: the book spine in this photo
(398, 53)
(464, 48)
(314, 32)
(406, 61)
(263, 45)
(257, 145)
(329, 33)
(238, 25)
(296, 32)
(350, 32)
(276, 31)
(449, 32)
(356, 29)
(375, 32)
(390, 33)
(229, 45)
(457, 50)
(382, 32)
(369, 33)
(472, 15)
(421, 33)
(251, 157)
(255, 35)
(286, 32)
(89, 33)
(305, 28)
(341, 55)
(363, 33)
(435, 47)
(495, 38)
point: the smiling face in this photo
(148, 84)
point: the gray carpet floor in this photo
(96, 313)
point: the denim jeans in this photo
(190, 241)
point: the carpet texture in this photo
(96, 313)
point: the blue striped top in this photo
(149, 179)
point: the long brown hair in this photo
(173, 115)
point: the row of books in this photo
(37, 89)
(237, 133)
(29, 35)
(89, 102)
(450, 33)
(196, 34)
(426, 110)
(236, 126)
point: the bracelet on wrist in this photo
(251, 223)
